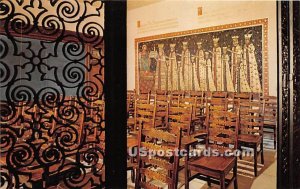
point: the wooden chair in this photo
(161, 104)
(220, 104)
(28, 113)
(219, 94)
(237, 98)
(97, 120)
(197, 93)
(222, 128)
(144, 97)
(144, 115)
(131, 97)
(180, 117)
(161, 92)
(50, 123)
(140, 99)
(162, 168)
(175, 97)
(200, 106)
(270, 115)
(177, 93)
(187, 93)
(196, 119)
(131, 101)
(131, 93)
(251, 128)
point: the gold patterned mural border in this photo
(263, 22)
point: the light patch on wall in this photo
(199, 11)
(154, 25)
(138, 24)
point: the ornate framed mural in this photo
(231, 57)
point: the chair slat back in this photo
(180, 117)
(161, 92)
(144, 98)
(241, 97)
(97, 117)
(222, 130)
(219, 94)
(175, 97)
(144, 115)
(251, 117)
(130, 103)
(270, 111)
(189, 102)
(220, 104)
(161, 104)
(164, 145)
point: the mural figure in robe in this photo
(144, 60)
(228, 85)
(237, 67)
(252, 74)
(201, 65)
(173, 81)
(186, 67)
(209, 76)
(195, 74)
(217, 68)
(161, 73)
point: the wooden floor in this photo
(245, 174)
(246, 179)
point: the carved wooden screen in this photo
(288, 93)
(51, 102)
(296, 95)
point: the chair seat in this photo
(199, 133)
(213, 163)
(249, 138)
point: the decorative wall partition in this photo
(288, 164)
(231, 57)
(51, 102)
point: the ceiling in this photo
(133, 4)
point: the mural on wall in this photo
(230, 57)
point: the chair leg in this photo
(208, 181)
(262, 153)
(132, 176)
(255, 161)
(172, 185)
(241, 152)
(186, 178)
(235, 175)
(222, 181)
(137, 179)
